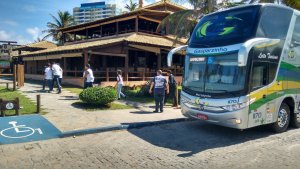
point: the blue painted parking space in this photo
(20, 129)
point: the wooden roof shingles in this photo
(135, 38)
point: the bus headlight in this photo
(235, 107)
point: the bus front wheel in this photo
(283, 119)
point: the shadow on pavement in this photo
(194, 137)
(69, 98)
(144, 112)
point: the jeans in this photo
(119, 90)
(47, 82)
(88, 84)
(159, 101)
(56, 80)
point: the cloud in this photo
(30, 8)
(9, 22)
(35, 32)
(11, 36)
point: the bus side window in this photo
(259, 75)
(272, 72)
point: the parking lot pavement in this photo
(179, 145)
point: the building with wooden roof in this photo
(129, 42)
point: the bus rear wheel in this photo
(296, 120)
(283, 119)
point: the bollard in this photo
(18, 104)
(7, 85)
(38, 104)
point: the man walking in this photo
(172, 87)
(48, 77)
(88, 76)
(56, 73)
(160, 84)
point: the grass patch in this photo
(28, 106)
(111, 106)
(74, 90)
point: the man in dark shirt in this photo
(172, 87)
(160, 86)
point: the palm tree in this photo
(38, 40)
(131, 6)
(183, 22)
(64, 20)
(292, 3)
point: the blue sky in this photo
(24, 20)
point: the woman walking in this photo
(120, 84)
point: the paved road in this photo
(180, 145)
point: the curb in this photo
(123, 126)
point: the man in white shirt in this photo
(60, 75)
(48, 77)
(56, 73)
(88, 76)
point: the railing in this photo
(109, 74)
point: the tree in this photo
(183, 22)
(38, 40)
(63, 20)
(292, 3)
(131, 6)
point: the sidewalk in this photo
(65, 117)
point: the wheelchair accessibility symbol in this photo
(19, 131)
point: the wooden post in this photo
(107, 74)
(137, 24)
(159, 61)
(65, 66)
(86, 57)
(7, 85)
(38, 104)
(126, 65)
(18, 104)
(117, 28)
(144, 71)
(15, 77)
(176, 95)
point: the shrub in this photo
(98, 95)
(144, 91)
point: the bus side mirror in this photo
(173, 51)
(242, 57)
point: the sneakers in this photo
(155, 111)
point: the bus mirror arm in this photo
(173, 51)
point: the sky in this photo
(24, 20)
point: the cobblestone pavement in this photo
(179, 145)
(65, 116)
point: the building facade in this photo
(88, 12)
(130, 42)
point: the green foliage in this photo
(98, 95)
(64, 19)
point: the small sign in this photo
(9, 105)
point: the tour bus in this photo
(242, 68)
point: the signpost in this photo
(9, 105)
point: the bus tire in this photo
(283, 119)
(295, 121)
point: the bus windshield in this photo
(236, 25)
(214, 74)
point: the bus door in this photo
(258, 92)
